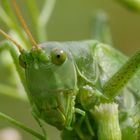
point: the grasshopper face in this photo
(51, 91)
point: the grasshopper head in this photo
(51, 79)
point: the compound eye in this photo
(58, 56)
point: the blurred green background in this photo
(72, 20)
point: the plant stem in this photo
(45, 15)
(119, 80)
(101, 30)
(20, 125)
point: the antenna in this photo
(18, 12)
(11, 39)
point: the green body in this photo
(56, 91)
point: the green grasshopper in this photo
(77, 87)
